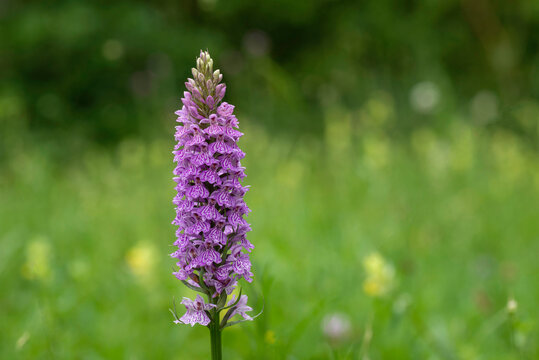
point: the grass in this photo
(85, 272)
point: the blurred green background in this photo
(391, 149)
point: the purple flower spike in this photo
(211, 249)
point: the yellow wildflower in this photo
(37, 265)
(380, 275)
(269, 337)
(141, 260)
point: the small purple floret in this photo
(196, 312)
(241, 307)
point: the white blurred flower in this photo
(424, 97)
(257, 43)
(512, 306)
(336, 326)
(484, 107)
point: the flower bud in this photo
(204, 55)
(220, 91)
(197, 95)
(210, 102)
(190, 86)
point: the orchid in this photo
(212, 252)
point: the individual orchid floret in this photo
(241, 307)
(196, 312)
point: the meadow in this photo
(391, 152)
(367, 247)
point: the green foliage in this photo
(85, 274)
(109, 71)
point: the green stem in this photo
(215, 336)
(215, 330)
